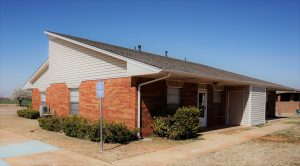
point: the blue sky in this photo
(258, 38)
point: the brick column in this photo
(153, 98)
(210, 111)
(58, 99)
(36, 99)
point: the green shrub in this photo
(75, 126)
(184, 124)
(162, 125)
(52, 123)
(93, 132)
(28, 113)
(177, 132)
(163, 112)
(118, 133)
(112, 133)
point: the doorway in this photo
(202, 106)
(235, 108)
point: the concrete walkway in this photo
(212, 142)
(22, 151)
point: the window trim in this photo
(74, 102)
(43, 102)
(171, 105)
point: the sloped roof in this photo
(172, 64)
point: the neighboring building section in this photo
(287, 102)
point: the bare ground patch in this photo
(291, 135)
(251, 153)
(279, 148)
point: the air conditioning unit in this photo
(44, 111)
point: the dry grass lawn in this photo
(113, 152)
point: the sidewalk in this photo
(22, 151)
(212, 142)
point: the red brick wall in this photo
(154, 98)
(222, 118)
(189, 94)
(58, 99)
(88, 102)
(287, 106)
(211, 117)
(119, 102)
(215, 117)
(36, 99)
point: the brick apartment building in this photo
(138, 84)
(287, 102)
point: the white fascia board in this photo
(35, 74)
(250, 104)
(216, 79)
(149, 67)
(27, 86)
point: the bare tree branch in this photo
(20, 95)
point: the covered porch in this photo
(224, 102)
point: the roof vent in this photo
(166, 53)
(185, 58)
(139, 47)
(134, 47)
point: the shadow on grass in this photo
(277, 117)
(117, 145)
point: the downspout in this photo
(139, 101)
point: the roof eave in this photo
(268, 86)
(28, 83)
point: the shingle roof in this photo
(168, 63)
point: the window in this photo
(74, 101)
(217, 103)
(296, 96)
(285, 97)
(217, 96)
(43, 99)
(173, 97)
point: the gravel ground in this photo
(113, 152)
(251, 153)
(280, 148)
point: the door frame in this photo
(227, 103)
(205, 111)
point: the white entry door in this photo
(202, 106)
